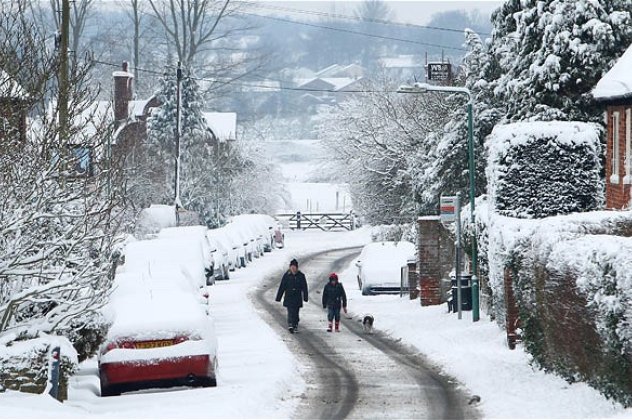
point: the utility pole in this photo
(177, 174)
(63, 71)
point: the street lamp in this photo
(425, 88)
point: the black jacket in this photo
(294, 286)
(334, 295)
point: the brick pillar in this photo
(429, 260)
(512, 320)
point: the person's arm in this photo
(325, 297)
(304, 288)
(281, 290)
(344, 297)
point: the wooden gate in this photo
(322, 221)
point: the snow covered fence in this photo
(572, 279)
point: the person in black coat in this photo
(334, 297)
(294, 287)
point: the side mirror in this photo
(358, 263)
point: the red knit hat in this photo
(333, 276)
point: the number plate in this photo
(153, 344)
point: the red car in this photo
(159, 337)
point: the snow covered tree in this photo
(379, 141)
(196, 149)
(58, 214)
(447, 171)
(553, 52)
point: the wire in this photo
(313, 25)
(348, 17)
(248, 84)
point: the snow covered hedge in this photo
(572, 279)
(540, 169)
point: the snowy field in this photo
(259, 377)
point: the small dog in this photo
(367, 324)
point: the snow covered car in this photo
(148, 346)
(196, 234)
(379, 266)
(150, 255)
(231, 244)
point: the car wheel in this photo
(366, 292)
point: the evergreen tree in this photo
(553, 52)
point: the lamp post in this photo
(177, 203)
(425, 88)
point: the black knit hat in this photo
(294, 262)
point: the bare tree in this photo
(191, 26)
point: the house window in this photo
(82, 160)
(614, 164)
(627, 161)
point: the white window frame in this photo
(614, 163)
(627, 159)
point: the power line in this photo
(249, 84)
(350, 31)
(355, 18)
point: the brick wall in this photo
(435, 257)
(617, 194)
(512, 321)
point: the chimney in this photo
(122, 93)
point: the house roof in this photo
(617, 82)
(222, 124)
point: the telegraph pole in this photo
(63, 71)
(177, 177)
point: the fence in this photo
(322, 221)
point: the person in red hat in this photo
(334, 298)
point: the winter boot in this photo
(337, 326)
(329, 327)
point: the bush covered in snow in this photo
(396, 233)
(572, 281)
(541, 169)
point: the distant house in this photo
(131, 116)
(615, 91)
(403, 67)
(328, 86)
(13, 106)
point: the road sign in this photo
(447, 209)
(439, 71)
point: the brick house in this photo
(131, 117)
(614, 90)
(13, 106)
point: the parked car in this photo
(232, 244)
(221, 257)
(195, 234)
(379, 266)
(153, 254)
(159, 337)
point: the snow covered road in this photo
(355, 375)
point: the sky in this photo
(475, 354)
(410, 11)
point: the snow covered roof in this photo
(342, 83)
(10, 88)
(223, 124)
(137, 108)
(329, 71)
(617, 82)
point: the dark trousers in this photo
(292, 315)
(333, 313)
